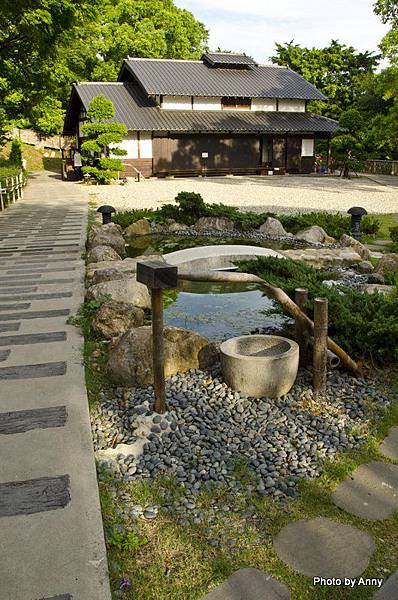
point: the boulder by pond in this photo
(115, 318)
(274, 228)
(107, 235)
(110, 270)
(130, 359)
(348, 241)
(121, 290)
(101, 254)
(140, 227)
(315, 235)
(324, 258)
(214, 223)
(387, 264)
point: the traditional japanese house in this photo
(221, 114)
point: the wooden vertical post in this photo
(158, 350)
(320, 345)
(301, 332)
(157, 276)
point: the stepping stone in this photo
(249, 584)
(325, 548)
(390, 445)
(389, 591)
(370, 492)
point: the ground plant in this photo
(365, 325)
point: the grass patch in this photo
(35, 159)
(184, 562)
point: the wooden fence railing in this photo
(11, 189)
(382, 167)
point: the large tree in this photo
(336, 70)
(388, 11)
(45, 45)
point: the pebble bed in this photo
(209, 430)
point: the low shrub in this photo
(15, 157)
(394, 234)
(127, 217)
(370, 225)
(365, 325)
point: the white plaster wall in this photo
(307, 147)
(265, 104)
(292, 105)
(176, 103)
(211, 103)
(146, 144)
(130, 144)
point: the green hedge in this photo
(365, 325)
(190, 206)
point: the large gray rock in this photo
(365, 267)
(130, 359)
(214, 223)
(174, 226)
(121, 290)
(274, 228)
(387, 264)
(389, 591)
(324, 548)
(250, 584)
(324, 258)
(371, 288)
(140, 227)
(102, 253)
(315, 235)
(107, 235)
(347, 240)
(115, 318)
(370, 492)
(109, 270)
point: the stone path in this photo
(52, 543)
(249, 584)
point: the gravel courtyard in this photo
(275, 194)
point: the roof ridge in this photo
(186, 60)
(101, 82)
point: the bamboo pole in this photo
(301, 329)
(320, 345)
(275, 293)
(158, 350)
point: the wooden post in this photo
(158, 350)
(320, 345)
(301, 329)
(157, 276)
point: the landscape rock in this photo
(348, 241)
(107, 235)
(123, 269)
(387, 264)
(324, 258)
(209, 356)
(140, 227)
(250, 584)
(115, 318)
(365, 267)
(214, 223)
(273, 227)
(174, 226)
(130, 360)
(371, 288)
(102, 253)
(376, 278)
(121, 290)
(315, 235)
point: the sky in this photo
(253, 26)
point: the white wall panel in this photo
(130, 144)
(211, 103)
(177, 103)
(307, 147)
(291, 105)
(146, 144)
(265, 104)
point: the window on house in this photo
(307, 147)
(229, 103)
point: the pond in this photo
(222, 311)
(217, 311)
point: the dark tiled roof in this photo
(139, 114)
(194, 78)
(228, 59)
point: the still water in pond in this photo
(222, 311)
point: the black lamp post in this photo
(356, 213)
(106, 212)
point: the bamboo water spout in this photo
(277, 294)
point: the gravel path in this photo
(278, 194)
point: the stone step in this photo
(249, 584)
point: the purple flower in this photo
(125, 584)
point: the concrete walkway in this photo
(52, 543)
